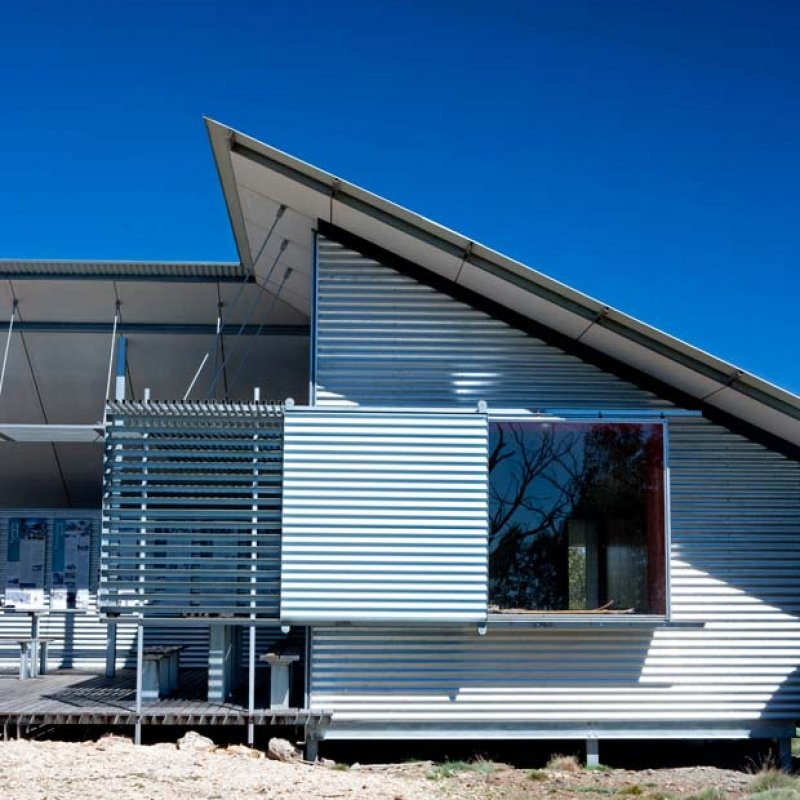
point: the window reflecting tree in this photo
(576, 516)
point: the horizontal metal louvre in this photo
(384, 517)
(734, 573)
(191, 514)
(384, 339)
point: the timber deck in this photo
(69, 697)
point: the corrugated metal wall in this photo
(386, 339)
(384, 517)
(735, 566)
(735, 559)
(82, 636)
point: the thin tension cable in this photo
(8, 343)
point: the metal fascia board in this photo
(221, 139)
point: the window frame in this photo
(563, 619)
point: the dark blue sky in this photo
(647, 153)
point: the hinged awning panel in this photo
(384, 517)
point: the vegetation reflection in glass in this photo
(576, 517)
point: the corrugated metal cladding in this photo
(386, 339)
(191, 501)
(384, 516)
(81, 634)
(734, 572)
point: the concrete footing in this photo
(592, 753)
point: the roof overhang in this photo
(258, 179)
(180, 271)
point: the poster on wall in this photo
(27, 544)
(72, 541)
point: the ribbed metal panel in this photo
(384, 516)
(191, 506)
(81, 634)
(734, 573)
(386, 339)
(735, 528)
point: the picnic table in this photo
(280, 659)
(32, 654)
(32, 649)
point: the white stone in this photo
(281, 750)
(194, 741)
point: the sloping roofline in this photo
(321, 195)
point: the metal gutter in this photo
(177, 271)
(45, 326)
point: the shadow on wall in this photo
(736, 670)
(744, 660)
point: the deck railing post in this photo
(251, 659)
(111, 649)
(142, 557)
(137, 737)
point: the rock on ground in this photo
(282, 750)
(192, 740)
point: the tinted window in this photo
(576, 518)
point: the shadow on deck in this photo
(80, 698)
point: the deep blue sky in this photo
(647, 153)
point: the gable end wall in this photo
(385, 339)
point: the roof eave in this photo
(726, 377)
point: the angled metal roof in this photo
(31, 269)
(258, 180)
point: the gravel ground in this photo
(113, 769)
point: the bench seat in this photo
(159, 671)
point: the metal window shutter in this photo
(384, 517)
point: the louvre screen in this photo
(191, 510)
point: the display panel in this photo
(25, 561)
